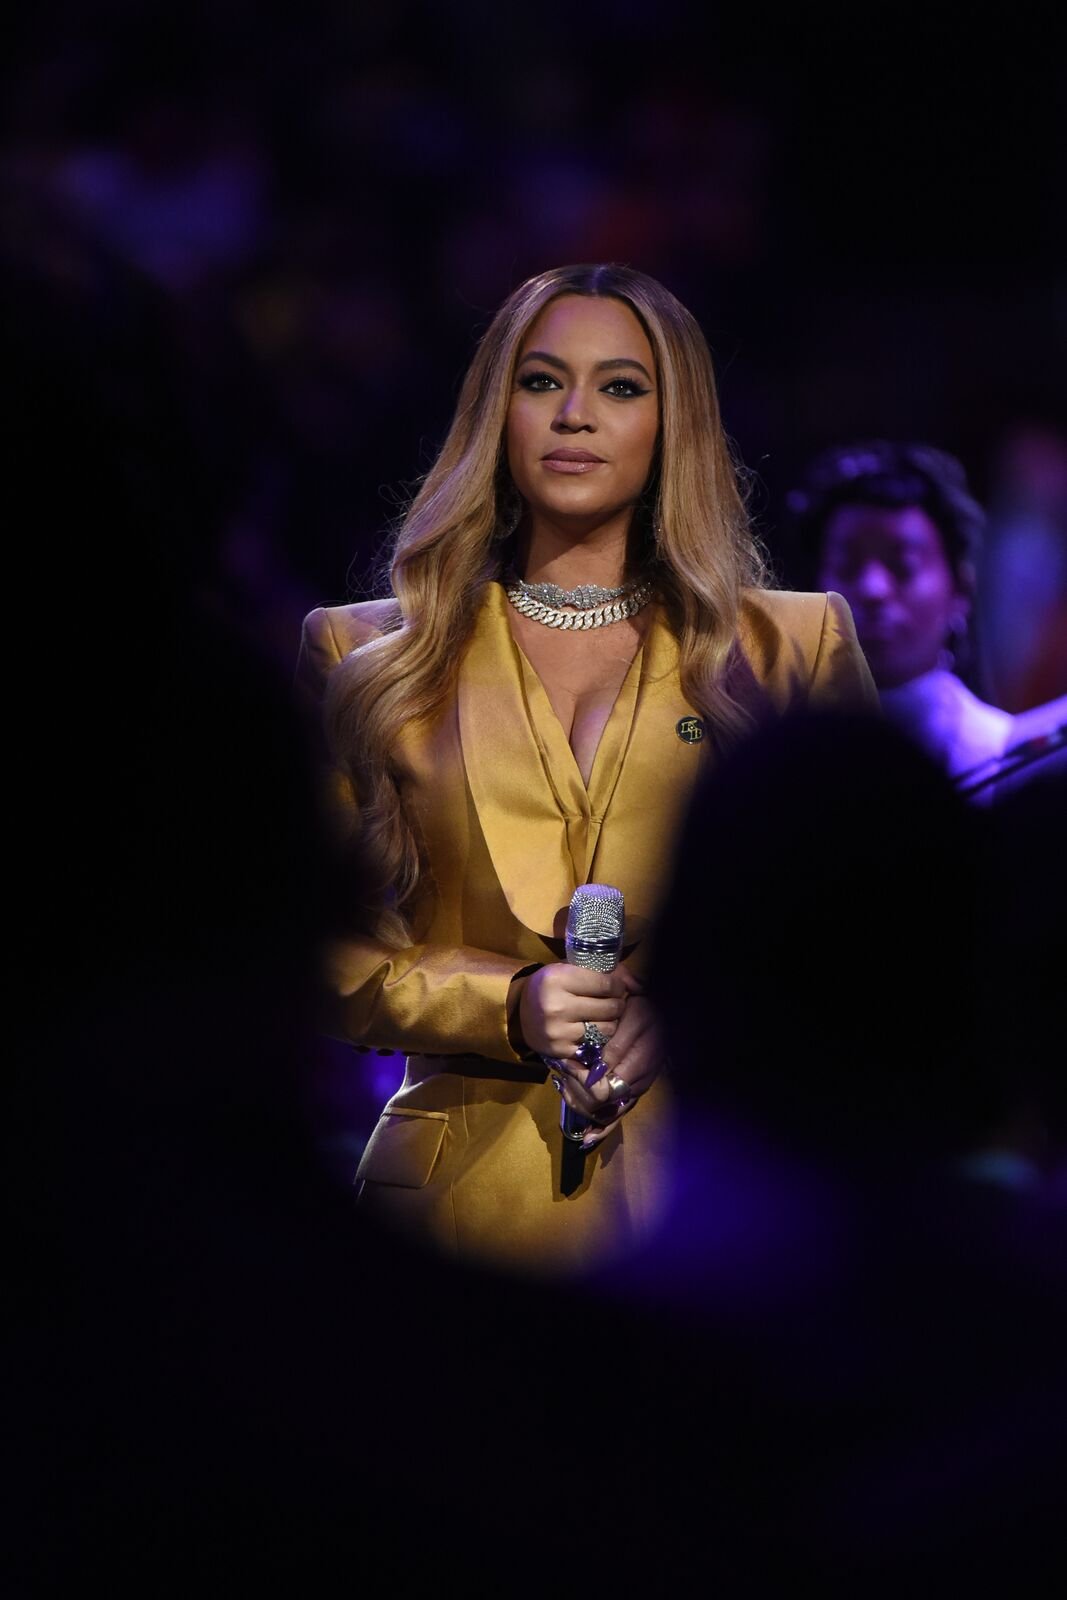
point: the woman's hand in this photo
(634, 1055)
(558, 1000)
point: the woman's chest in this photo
(582, 675)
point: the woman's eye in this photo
(624, 388)
(539, 382)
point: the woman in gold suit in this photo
(579, 624)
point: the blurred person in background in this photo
(578, 623)
(894, 527)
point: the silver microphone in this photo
(595, 924)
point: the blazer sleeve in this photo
(841, 679)
(424, 998)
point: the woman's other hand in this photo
(635, 1056)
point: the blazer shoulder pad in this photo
(347, 627)
(332, 632)
(785, 613)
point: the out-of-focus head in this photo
(893, 527)
(816, 958)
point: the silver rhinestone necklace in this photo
(597, 607)
(583, 598)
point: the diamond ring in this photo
(592, 1037)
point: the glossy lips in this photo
(571, 461)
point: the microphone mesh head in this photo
(595, 927)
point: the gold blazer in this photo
(468, 1151)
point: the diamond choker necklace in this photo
(595, 607)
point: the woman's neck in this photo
(549, 553)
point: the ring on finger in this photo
(620, 1089)
(592, 1036)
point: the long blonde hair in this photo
(449, 544)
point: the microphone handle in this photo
(573, 1124)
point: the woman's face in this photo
(891, 567)
(584, 412)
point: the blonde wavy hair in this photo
(694, 533)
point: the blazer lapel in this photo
(520, 816)
(656, 777)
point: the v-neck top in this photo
(546, 831)
(583, 806)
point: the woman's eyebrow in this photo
(624, 361)
(601, 366)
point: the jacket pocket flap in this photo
(403, 1148)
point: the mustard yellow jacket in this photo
(468, 1152)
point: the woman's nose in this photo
(575, 411)
(874, 582)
